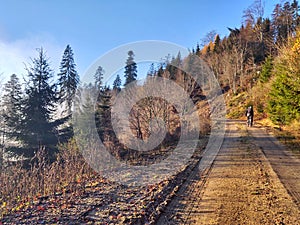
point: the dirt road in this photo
(253, 180)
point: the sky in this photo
(94, 27)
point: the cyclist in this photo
(249, 113)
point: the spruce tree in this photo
(217, 45)
(99, 78)
(151, 71)
(284, 99)
(198, 49)
(130, 69)
(117, 83)
(68, 79)
(266, 70)
(102, 110)
(38, 125)
(12, 105)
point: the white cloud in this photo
(14, 55)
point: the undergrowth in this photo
(22, 184)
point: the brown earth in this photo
(253, 180)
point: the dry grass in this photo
(237, 105)
(20, 185)
(69, 172)
(258, 97)
(289, 135)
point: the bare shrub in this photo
(67, 173)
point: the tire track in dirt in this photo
(174, 210)
(181, 208)
(283, 162)
(240, 188)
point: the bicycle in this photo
(249, 121)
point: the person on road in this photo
(249, 113)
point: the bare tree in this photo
(209, 37)
(254, 12)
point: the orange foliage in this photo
(208, 48)
(296, 46)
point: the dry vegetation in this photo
(289, 135)
(68, 191)
(32, 184)
(22, 183)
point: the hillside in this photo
(258, 64)
(172, 147)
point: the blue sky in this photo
(93, 27)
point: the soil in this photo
(253, 180)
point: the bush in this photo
(42, 178)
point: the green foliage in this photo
(266, 70)
(237, 105)
(130, 69)
(38, 126)
(260, 107)
(84, 114)
(102, 107)
(68, 78)
(11, 105)
(117, 83)
(99, 78)
(102, 112)
(284, 100)
(102, 97)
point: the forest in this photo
(256, 64)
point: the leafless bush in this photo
(68, 173)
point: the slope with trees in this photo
(257, 63)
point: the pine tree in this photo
(266, 70)
(267, 37)
(117, 83)
(160, 71)
(102, 115)
(130, 69)
(281, 100)
(217, 45)
(284, 100)
(177, 61)
(84, 114)
(68, 78)
(296, 9)
(198, 49)
(99, 78)
(100, 107)
(151, 71)
(285, 20)
(12, 105)
(38, 126)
